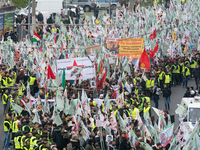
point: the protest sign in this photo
(88, 69)
(131, 47)
(112, 44)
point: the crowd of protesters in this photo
(89, 125)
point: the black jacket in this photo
(57, 137)
(123, 144)
(196, 72)
(166, 92)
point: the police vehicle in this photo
(192, 105)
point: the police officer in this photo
(5, 99)
(7, 129)
(186, 76)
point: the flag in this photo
(181, 111)
(146, 146)
(59, 101)
(174, 35)
(57, 119)
(36, 118)
(50, 73)
(106, 103)
(18, 109)
(36, 37)
(151, 54)
(63, 79)
(100, 67)
(133, 138)
(99, 83)
(153, 35)
(166, 135)
(155, 48)
(144, 60)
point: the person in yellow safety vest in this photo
(160, 77)
(193, 64)
(148, 86)
(140, 106)
(5, 99)
(15, 127)
(45, 146)
(33, 141)
(26, 145)
(92, 102)
(186, 76)
(177, 73)
(181, 64)
(187, 62)
(146, 110)
(7, 129)
(167, 78)
(40, 130)
(10, 81)
(4, 84)
(134, 111)
(23, 139)
(134, 81)
(17, 139)
(152, 81)
(32, 80)
(20, 88)
(114, 109)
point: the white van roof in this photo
(193, 102)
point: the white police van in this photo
(192, 105)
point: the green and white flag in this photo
(59, 101)
(132, 138)
(18, 109)
(36, 118)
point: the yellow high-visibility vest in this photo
(148, 83)
(15, 127)
(32, 80)
(4, 100)
(167, 78)
(17, 142)
(5, 127)
(152, 83)
(134, 113)
(188, 71)
(146, 110)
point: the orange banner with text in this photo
(131, 47)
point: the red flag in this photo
(144, 60)
(100, 82)
(153, 35)
(95, 66)
(50, 73)
(151, 54)
(155, 48)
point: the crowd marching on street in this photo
(46, 108)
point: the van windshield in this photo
(194, 114)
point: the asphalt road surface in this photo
(177, 94)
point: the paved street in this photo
(177, 94)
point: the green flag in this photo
(57, 119)
(18, 109)
(63, 79)
(59, 101)
(36, 118)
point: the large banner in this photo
(75, 66)
(8, 20)
(131, 47)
